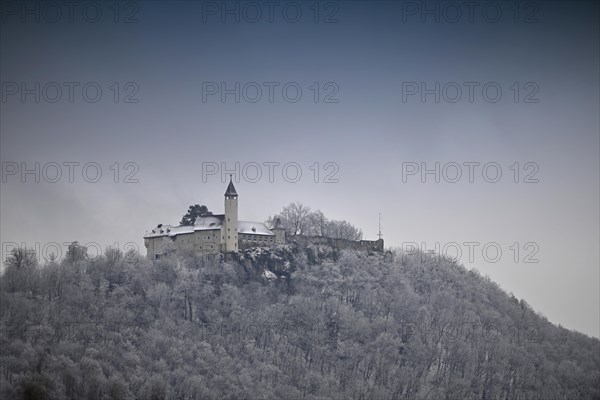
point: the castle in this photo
(224, 233)
(211, 234)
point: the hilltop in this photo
(292, 322)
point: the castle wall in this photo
(209, 242)
(247, 241)
(279, 235)
(204, 242)
(157, 245)
(200, 242)
(364, 245)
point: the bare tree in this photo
(20, 258)
(298, 219)
(343, 230)
(317, 224)
(294, 218)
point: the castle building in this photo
(211, 234)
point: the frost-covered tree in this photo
(298, 219)
(343, 230)
(347, 324)
(76, 252)
(20, 272)
(21, 258)
(294, 218)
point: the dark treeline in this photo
(286, 323)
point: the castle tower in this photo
(230, 222)
(279, 232)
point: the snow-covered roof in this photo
(169, 230)
(179, 230)
(210, 222)
(254, 228)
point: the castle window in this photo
(228, 237)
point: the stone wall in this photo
(247, 241)
(279, 235)
(200, 242)
(365, 245)
(204, 242)
(209, 242)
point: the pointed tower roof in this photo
(230, 189)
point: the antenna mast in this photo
(379, 235)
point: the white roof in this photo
(160, 230)
(208, 223)
(178, 230)
(254, 228)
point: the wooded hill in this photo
(288, 323)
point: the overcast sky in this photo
(358, 96)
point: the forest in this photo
(289, 322)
